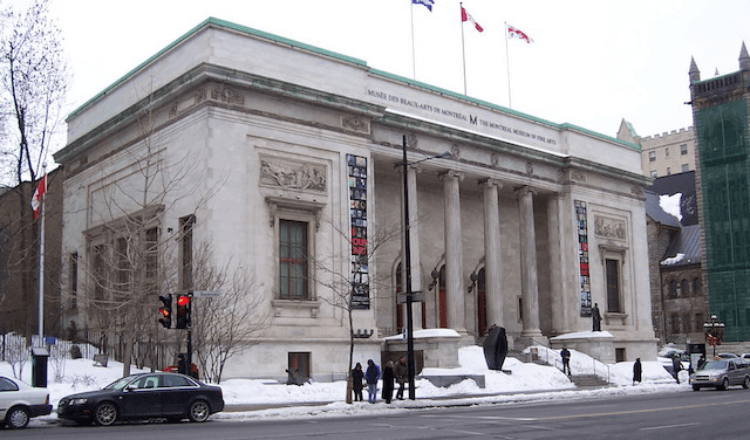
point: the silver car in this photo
(722, 373)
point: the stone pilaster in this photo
(530, 284)
(454, 260)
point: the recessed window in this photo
(684, 149)
(613, 286)
(669, 171)
(652, 156)
(293, 260)
(685, 168)
(654, 174)
(666, 152)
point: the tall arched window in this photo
(685, 288)
(673, 289)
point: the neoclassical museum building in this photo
(287, 159)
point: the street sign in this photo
(205, 293)
(416, 296)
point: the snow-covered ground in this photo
(520, 382)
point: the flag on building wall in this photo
(36, 201)
(427, 3)
(465, 16)
(517, 33)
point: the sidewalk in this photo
(428, 401)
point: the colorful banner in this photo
(358, 214)
(583, 258)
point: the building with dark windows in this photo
(721, 115)
(287, 159)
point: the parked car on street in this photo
(157, 395)
(721, 373)
(727, 355)
(19, 402)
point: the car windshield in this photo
(714, 365)
(119, 384)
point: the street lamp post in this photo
(410, 363)
(714, 331)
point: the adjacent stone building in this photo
(291, 157)
(721, 115)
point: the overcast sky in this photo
(592, 63)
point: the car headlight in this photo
(79, 401)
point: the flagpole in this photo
(507, 64)
(413, 56)
(41, 259)
(463, 46)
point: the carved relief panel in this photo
(292, 175)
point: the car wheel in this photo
(199, 411)
(696, 388)
(724, 384)
(17, 418)
(105, 414)
(746, 383)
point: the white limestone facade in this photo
(252, 131)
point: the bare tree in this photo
(133, 259)
(230, 323)
(339, 274)
(34, 79)
(16, 353)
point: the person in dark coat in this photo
(357, 376)
(676, 366)
(372, 375)
(565, 354)
(181, 364)
(401, 372)
(388, 382)
(637, 370)
(597, 318)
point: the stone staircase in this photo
(588, 381)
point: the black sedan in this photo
(158, 395)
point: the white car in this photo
(20, 402)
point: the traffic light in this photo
(165, 311)
(183, 311)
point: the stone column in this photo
(557, 261)
(415, 256)
(454, 259)
(530, 285)
(492, 263)
(416, 261)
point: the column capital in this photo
(489, 182)
(526, 189)
(451, 174)
(399, 167)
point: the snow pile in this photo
(518, 382)
(671, 204)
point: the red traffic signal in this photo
(183, 311)
(165, 311)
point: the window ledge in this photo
(279, 304)
(609, 317)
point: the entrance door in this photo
(481, 304)
(442, 301)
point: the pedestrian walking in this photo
(401, 372)
(388, 381)
(637, 371)
(676, 366)
(357, 376)
(372, 375)
(565, 354)
(181, 364)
